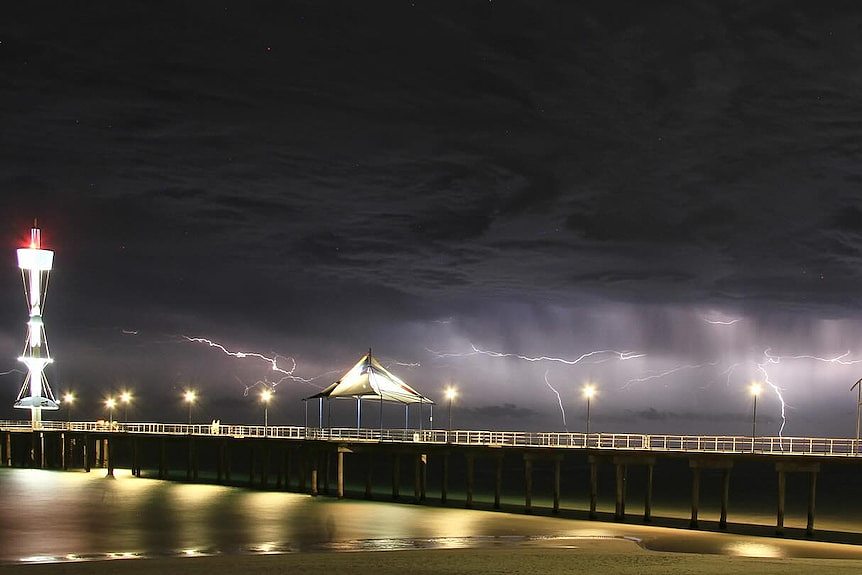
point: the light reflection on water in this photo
(48, 516)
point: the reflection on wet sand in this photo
(91, 518)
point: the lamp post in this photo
(69, 400)
(190, 396)
(265, 397)
(451, 394)
(589, 391)
(126, 399)
(858, 386)
(755, 390)
(110, 403)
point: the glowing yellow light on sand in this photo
(750, 549)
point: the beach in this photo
(597, 557)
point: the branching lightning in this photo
(287, 374)
(668, 372)
(770, 359)
(559, 400)
(621, 355)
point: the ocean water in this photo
(48, 516)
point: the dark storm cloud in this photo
(315, 177)
(505, 413)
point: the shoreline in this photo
(117, 518)
(598, 557)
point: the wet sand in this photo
(597, 557)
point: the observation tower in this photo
(35, 394)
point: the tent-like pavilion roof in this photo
(370, 380)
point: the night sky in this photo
(675, 181)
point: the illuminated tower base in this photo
(35, 394)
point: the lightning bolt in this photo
(770, 359)
(729, 373)
(559, 400)
(621, 355)
(601, 356)
(403, 364)
(11, 371)
(721, 322)
(668, 372)
(288, 374)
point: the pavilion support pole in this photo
(86, 452)
(396, 476)
(417, 478)
(812, 491)
(195, 462)
(8, 452)
(557, 484)
(340, 473)
(43, 455)
(648, 494)
(423, 475)
(444, 479)
(303, 469)
(220, 462)
(189, 456)
(620, 512)
(725, 496)
(779, 525)
(326, 458)
(471, 461)
(163, 470)
(136, 457)
(369, 468)
(695, 496)
(314, 458)
(64, 456)
(264, 464)
(251, 464)
(498, 481)
(109, 459)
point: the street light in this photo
(190, 397)
(110, 403)
(265, 397)
(755, 390)
(69, 399)
(126, 399)
(858, 387)
(451, 393)
(589, 391)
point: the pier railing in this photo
(819, 446)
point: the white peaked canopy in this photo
(370, 380)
